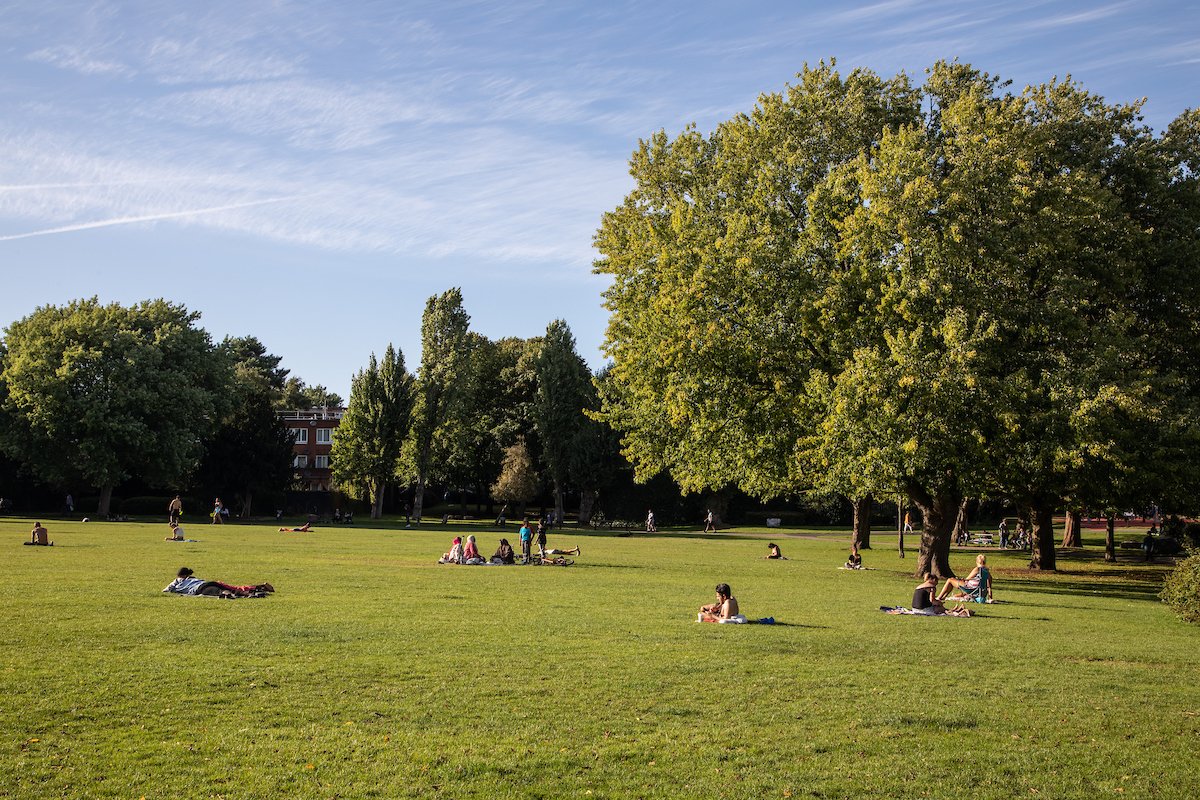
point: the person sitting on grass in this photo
(187, 583)
(773, 551)
(471, 552)
(726, 606)
(855, 560)
(455, 555)
(305, 528)
(176, 532)
(978, 584)
(504, 554)
(39, 536)
(925, 599)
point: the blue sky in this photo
(311, 172)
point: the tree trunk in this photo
(558, 504)
(861, 537)
(587, 501)
(939, 515)
(377, 489)
(247, 499)
(1042, 556)
(105, 501)
(1072, 533)
(960, 522)
(1110, 538)
(418, 500)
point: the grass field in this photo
(373, 672)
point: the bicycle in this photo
(544, 561)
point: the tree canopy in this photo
(940, 292)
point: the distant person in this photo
(175, 510)
(1149, 544)
(526, 536)
(709, 527)
(574, 551)
(186, 583)
(504, 554)
(540, 538)
(177, 534)
(855, 559)
(70, 504)
(39, 536)
(470, 553)
(502, 517)
(773, 551)
(218, 510)
(650, 526)
(907, 523)
(726, 606)
(455, 554)
(1003, 531)
(305, 528)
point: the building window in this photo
(300, 461)
(300, 435)
(321, 462)
(324, 435)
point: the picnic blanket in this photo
(918, 612)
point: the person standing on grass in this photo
(650, 526)
(709, 527)
(218, 509)
(175, 510)
(526, 538)
(541, 539)
(70, 504)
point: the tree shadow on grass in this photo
(1119, 591)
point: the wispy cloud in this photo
(86, 226)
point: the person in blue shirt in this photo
(526, 538)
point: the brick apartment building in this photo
(312, 431)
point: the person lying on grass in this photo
(186, 582)
(305, 528)
(978, 582)
(176, 532)
(726, 606)
(39, 536)
(574, 551)
(773, 551)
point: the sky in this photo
(311, 172)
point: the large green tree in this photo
(441, 391)
(920, 294)
(102, 393)
(250, 453)
(564, 393)
(366, 450)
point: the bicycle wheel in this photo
(563, 562)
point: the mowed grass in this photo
(374, 672)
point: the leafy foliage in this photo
(1181, 592)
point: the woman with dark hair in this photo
(773, 551)
(504, 554)
(187, 583)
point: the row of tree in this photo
(98, 394)
(478, 414)
(951, 290)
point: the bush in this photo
(1181, 592)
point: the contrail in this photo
(147, 218)
(19, 187)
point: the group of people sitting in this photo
(975, 588)
(467, 552)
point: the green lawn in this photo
(374, 672)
